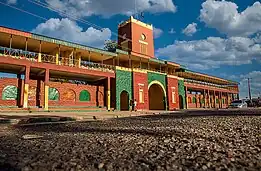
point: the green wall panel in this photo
(157, 77)
(123, 83)
(182, 92)
(53, 94)
(152, 76)
(10, 93)
(85, 96)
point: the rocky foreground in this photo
(167, 142)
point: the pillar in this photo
(109, 94)
(26, 86)
(186, 94)
(204, 96)
(46, 89)
(209, 99)
(79, 61)
(57, 58)
(39, 54)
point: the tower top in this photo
(133, 20)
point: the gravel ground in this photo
(159, 142)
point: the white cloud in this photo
(225, 17)
(107, 8)
(157, 32)
(190, 29)
(172, 31)
(68, 30)
(212, 52)
(11, 1)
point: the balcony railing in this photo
(97, 66)
(46, 58)
(209, 84)
(20, 54)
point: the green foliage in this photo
(110, 45)
(194, 100)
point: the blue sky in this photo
(220, 38)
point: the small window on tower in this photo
(143, 49)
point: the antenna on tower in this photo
(138, 15)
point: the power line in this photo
(19, 9)
(74, 17)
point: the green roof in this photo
(70, 44)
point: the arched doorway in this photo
(156, 97)
(124, 101)
(181, 103)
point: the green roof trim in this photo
(190, 71)
(70, 44)
(157, 60)
(122, 51)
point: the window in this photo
(10, 93)
(143, 48)
(53, 94)
(173, 97)
(141, 96)
(85, 96)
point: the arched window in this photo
(53, 94)
(85, 96)
(10, 93)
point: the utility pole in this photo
(249, 89)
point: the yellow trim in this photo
(160, 84)
(57, 58)
(26, 89)
(140, 23)
(46, 97)
(173, 76)
(139, 70)
(109, 99)
(145, 43)
(123, 68)
(39, 57)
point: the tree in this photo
(110, 45)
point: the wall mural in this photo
(69, 95)
(10, 93)
(53, 94)
(32, 93)
(85, 96)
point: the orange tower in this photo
(136, 37)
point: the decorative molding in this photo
(145, 43)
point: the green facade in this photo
(157, 77)
(182, 92)
(123, 83)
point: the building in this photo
(52, 73)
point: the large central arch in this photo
(157, 96)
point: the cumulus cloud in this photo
(107, 8)
(212, 52)
(225, 17)
(172, 31)
(68, 30)
(190, 29)
(11, 1)
(157, 32)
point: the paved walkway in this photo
(79, 116)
